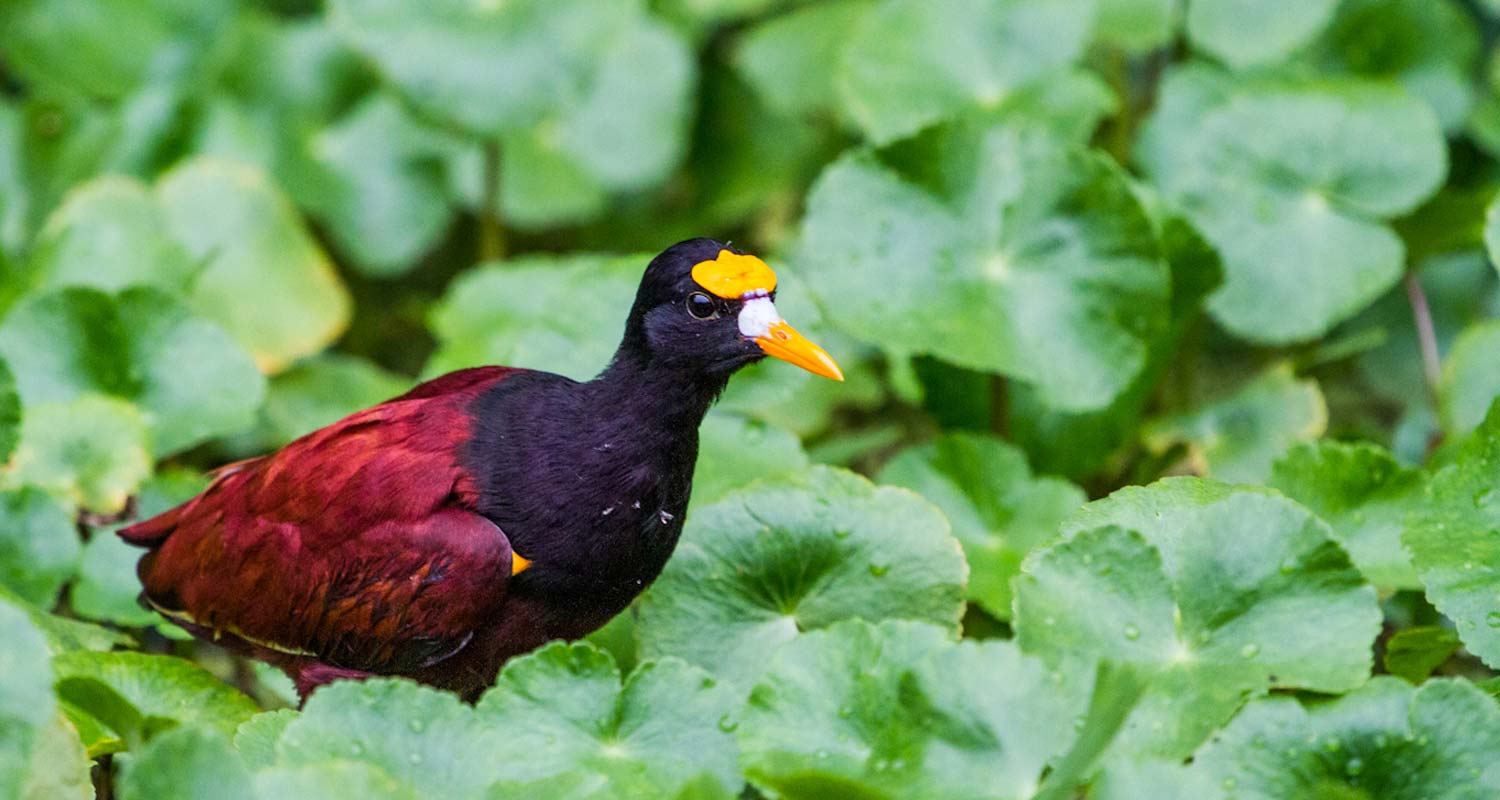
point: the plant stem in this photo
(491, 233)
(1421, 314)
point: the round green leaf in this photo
(188, 377)
(565, 706)
(1295, 205)
(1428, 46)
(93, 451)
(38, 545)
(1223, 592)
(899, 710)
(161, 687)
(786, 58)
(386, 201)
(1364, 495)
(1245, 33)
(186, 764)
(265, 278)
(1454, 543)
(507, 314)
(1492, 231)
(1385, 740)
(1471, 378)
(332, 780)
(110, 234)
(1236, 439)
(796, 554)
(999, 512)
(109, 48)
(1137, 26)
(1030, 258)
(255, 739)
(26, 702)
(734, 450)
(423, 736)
(909, 64)
(605, 87)
(60, 766)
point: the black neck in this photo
(650, 393)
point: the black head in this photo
(706, 307)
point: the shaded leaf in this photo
(39, 545)
(1414, 653)
(187, 764)
(999, 512)
(1471, 378)
(26, 702)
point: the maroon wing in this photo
(355, 544)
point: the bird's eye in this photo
(702, 306)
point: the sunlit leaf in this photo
(1246, 33)
(26, 701)
(94, 451)
(909, 64)
(1027, 258)
(797, 554)
(1364, 495)
(265, 279)
(898, 710)
(1292, 181)
(1218, 591)
(160, 687)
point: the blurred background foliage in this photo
(1059, 246)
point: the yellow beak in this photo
(784, 342)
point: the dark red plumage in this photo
(476, 516)
(357, 544)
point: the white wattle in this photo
(757, 316)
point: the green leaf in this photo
(734, 451)
(10, 411)
(255, 739)
(909, 64)
(333, 780)
(107, 587)
(564, 705)
(1223, 592)
(265, 278)
(603, 89)
(386, 201)
(1029, 258)
(93, 451)
(796, 554)
(109, 233)
(38, 545)
(1492, 231)
(899, 710)
(1430, 47)
(786, 59)
(109, 48)
(64, 634)
(60, 766)
(425, 737)
(1471, 378)
(1295, 207)
(187, 764)
(1245, 33)
(1237, 438)
(160, 687)
(188, 377)
(1364, 495)
(999, 512)
(26, 701)
(1414, 653)
(1385, 740)
(507, 314)
(1453, 541)
(322, 390)
(1136, 26)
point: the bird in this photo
(479, 515)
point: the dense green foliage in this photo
(1168, 465)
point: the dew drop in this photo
(1050, 621)
(1353, 767)
(416, 725)
(1492, 619)
(821, 753)
(1250, 650)
(415, 758)
(1132, 632)
(727, 723)
(1332, 745)
(846, 712)
(841, 533)
(878, 569)
(1483, 497)
(356, 749)
(1230, 783)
